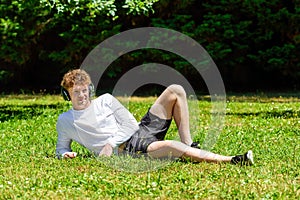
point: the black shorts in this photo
(151, 129)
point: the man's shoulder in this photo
(64, 119)
(106, 97)
(65, 115)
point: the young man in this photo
(104, 126)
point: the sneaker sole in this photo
(250, 157)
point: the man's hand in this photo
(106, 151)
(70, 155)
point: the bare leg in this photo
(167, 148)
(173, 103)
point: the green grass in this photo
(270, 126)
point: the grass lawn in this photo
(270, 126)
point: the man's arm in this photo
(127, 127)
(63, 144)
(107, 150)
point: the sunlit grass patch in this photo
(30, 170)
(135, 163)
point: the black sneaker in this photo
(246, 159)
(195, 145)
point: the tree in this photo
(254, 43)
(41, 37)
(248, 40)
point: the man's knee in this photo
(177, 89)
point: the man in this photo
(104, 126)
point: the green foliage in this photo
(138, 7)
(268, 126)
(59, 33)
(259, 37)
(246, 39)
(5, 76)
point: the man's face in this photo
(80, 96)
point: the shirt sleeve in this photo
(63, 144)
(126, 122)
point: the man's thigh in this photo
(167, 148)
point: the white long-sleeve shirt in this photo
(106, 120)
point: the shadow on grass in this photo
(12, 112)
(9, 112)
(285, 114)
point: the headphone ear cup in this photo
(91, 90)
(65, 94)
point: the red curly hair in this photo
(75, 77)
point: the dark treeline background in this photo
(254, 43)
